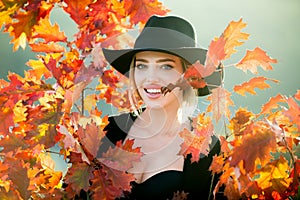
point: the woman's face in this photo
(154, 70)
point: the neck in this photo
(162, 120)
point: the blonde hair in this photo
(188, 105)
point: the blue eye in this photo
(167, 67)
(140, 66)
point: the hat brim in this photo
(121, 60)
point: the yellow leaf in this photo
(39, 69)
(90, 102)
(19, 42)
(275, 175)
(19, 112)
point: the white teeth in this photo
(154, 91)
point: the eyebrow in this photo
(158, 61)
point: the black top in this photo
(195, 179)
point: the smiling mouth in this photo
(152, 91)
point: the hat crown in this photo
(166, 33)
(172, 23)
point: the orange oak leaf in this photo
(13, 142)
(297, 95)
(293, 112)
(48, 32)
(255, 58)
(47, 48)
(241, 123)
(19, 177)
(196, 142)
(233, 36)
(121, 156)
(104, 187)
(256, 82)
(78, 177)
(38, 69)
(261, 143)
(215, 54)
(273, 103)
(141, 10)
(217, 164)
(24, 23)
(194, 75)
(90, 138)
(78, 10)
(220, 102)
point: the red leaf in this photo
(256, 82)
(255, 58)
(24, 23)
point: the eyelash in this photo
(165, 67)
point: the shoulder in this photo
(116, 130)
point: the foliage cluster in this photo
(50, 107)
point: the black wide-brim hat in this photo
(169, 34)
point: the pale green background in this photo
(273, 25)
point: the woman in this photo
(161, 54)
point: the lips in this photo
(153, 92)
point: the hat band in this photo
(163, 38)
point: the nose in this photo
(152, 73)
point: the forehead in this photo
(156, 55)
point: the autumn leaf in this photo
(121, 156)
(102, 186)
(19, 177)
(275, 175)
(48, 32)
(233, 36)
(240, 124)
(297, 95)
(77, 10)
(217, 164)
(78, 177)
(255, 58)
(220, 102)
(215, 54)
(90, 138)
(261, 142)
(293, 112)
(141, 10)
(272, 104)
(38, 69)
(24, 23)
(47, 48)
(256, 82)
